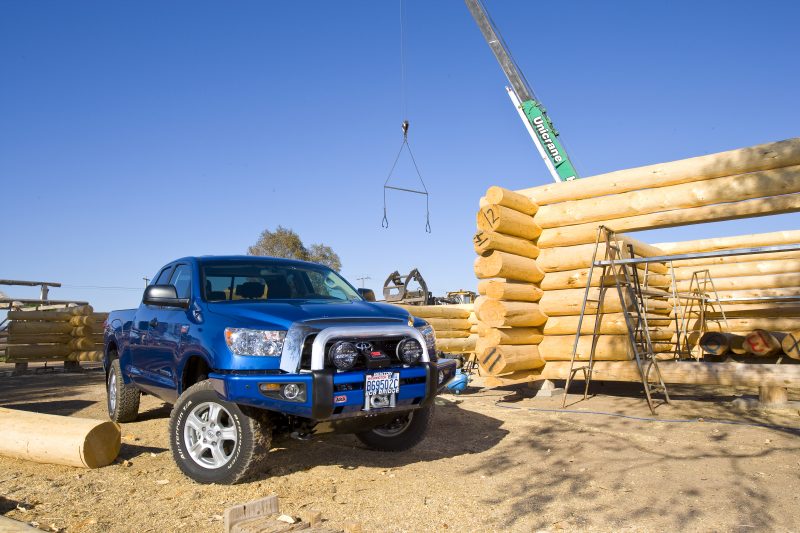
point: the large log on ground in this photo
(730, 243)
(62, 440)
(569, 301)
(791, 344)
(580, 256)
(716, 343)
(690, 373)
(485, 242)
(501, 219)
(435, 311)
(608, 348)
(743, 160)
(31, 328)
(764, 343)
(772, 281)
(572, 279)
(512, 336)
(500, 289)
(512, 200)
(504, 359)
(504, 265)
(587, 232)
(498, 313)
(733, 270)
(673, 197)
(449, 324)
(457, 345)
(611, 324)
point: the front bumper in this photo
(332, 395)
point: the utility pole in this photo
(146, 281)
(362, 279)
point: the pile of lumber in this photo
(455, 326)
(66, 334)
(535, 247)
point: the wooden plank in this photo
(690, 373)
(750, 159)
(258, 508)
(674, 197)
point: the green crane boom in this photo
(530, 108)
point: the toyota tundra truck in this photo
(246, 348)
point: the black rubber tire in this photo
(413, 434)
(127, 405)
(254, 437)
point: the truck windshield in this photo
(273, 281)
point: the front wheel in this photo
(215, 441)
(402, 433)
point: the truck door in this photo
(165, 329)
(144, 320)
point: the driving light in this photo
(409, 351)
(254, 341)
(343, 355)
(294, 392)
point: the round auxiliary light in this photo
(291, 391)
(343, 355)
(409, 351)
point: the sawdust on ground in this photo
(494, 461)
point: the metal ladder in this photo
(699, 291)
(634, 309)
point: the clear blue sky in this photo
(132, 133)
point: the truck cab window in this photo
(182, 280)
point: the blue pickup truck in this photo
(247, 348)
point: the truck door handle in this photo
(154, 323)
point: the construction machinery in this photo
(399, 289)
(529, 107)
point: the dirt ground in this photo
(497, 460)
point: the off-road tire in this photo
(412, 435)
(126, 403)
(250, 452)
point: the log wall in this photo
(69, 334)
(534, 249)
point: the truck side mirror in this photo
(367, 294)
(165, 295)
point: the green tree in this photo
(283, 242)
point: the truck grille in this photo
(386, 346)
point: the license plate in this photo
(382, 383)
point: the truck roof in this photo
(222, 258)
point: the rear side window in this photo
(182, 280)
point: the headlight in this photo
(430, 338)
(343, 355)
(409, 351)
(255, 341)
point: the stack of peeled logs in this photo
(535, 247)
(67, 334)
(455, 326)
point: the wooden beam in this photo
(508, 266)
(587, 233)
(504, 359)
(690, 373)
(512, 336)
(774, 238)
(485, 242)
(512, 200)
(750, 159)
(732, 270)
(436, 311)
(567, 302)
(499, 313)
(574, 279)
(500, 289)
(580, 256)
(611, 324)
(608, 348)
(740, 283)
(682, 196)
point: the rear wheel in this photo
(402, 433)
(215, 441)
(123, 400)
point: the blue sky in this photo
(132, 133)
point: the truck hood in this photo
(284, 314)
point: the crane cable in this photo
(405, 144)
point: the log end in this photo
(101, 445)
